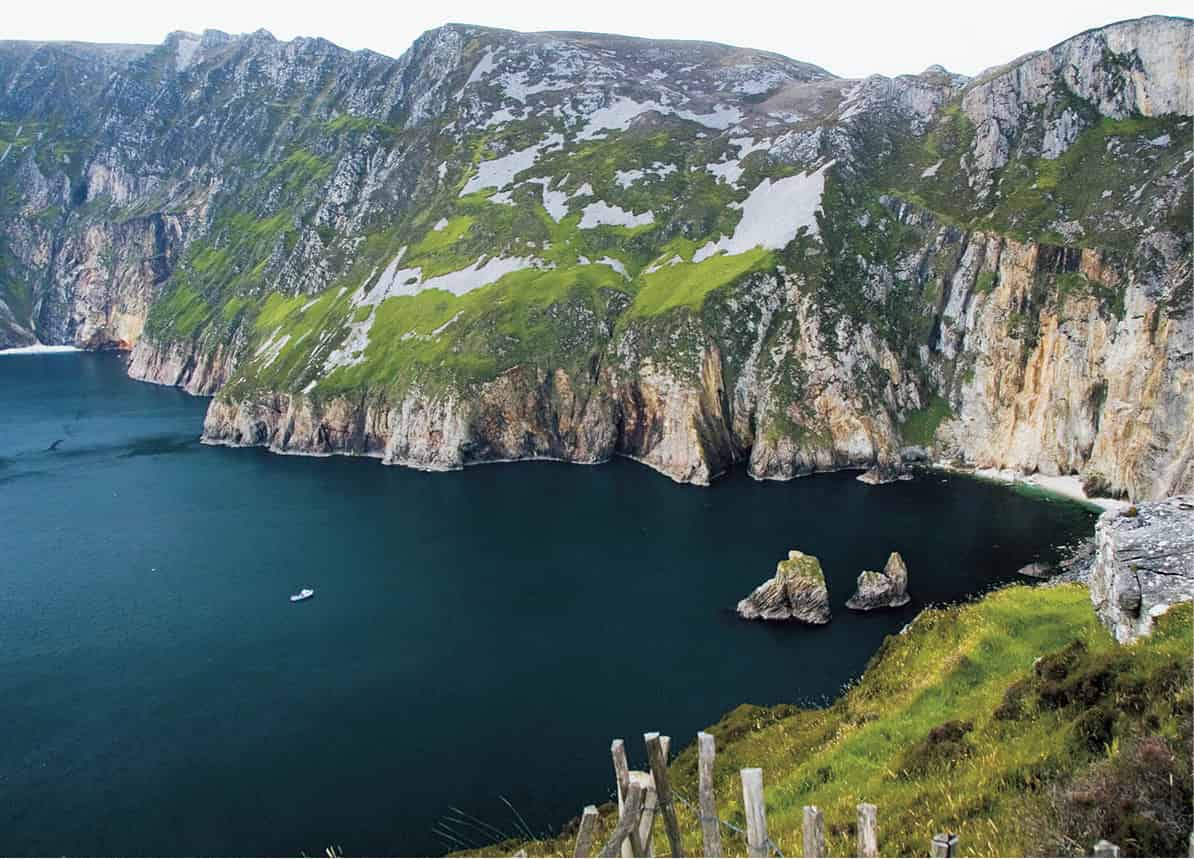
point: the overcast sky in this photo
(850, 39)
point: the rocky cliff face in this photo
(510, 246)
(1075, 389)
(1144, 564)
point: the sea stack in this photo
(797, 592)
(888, 589)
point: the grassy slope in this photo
(543, 318)
(1077, 708)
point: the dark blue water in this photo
(475, 635)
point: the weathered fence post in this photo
(710, 829)
(622, 774)
(814, 832)
(663, 789)
(1105, 848)
(755, 808)
(584, 835)
(650, 806)
(868, 830)
(640, 836)
(627, 821)
(945, 844)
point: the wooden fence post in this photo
(650, 806)
(663, 789)
(814, 832)
(868, 830)
(584, 835)
(755, 808)
(640, 836)
(627, 821)
(1105, 848)
(710, 828)
(622, 774)
(945, 844)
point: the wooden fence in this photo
(644, 797)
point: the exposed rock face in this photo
(1081, 392)
(796, 592)
(199, 373)
(888, 589)
(882, 474)
(1144, 563)
(1154, 81)
(569, 246)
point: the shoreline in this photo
(1068, 486)
(39, 349)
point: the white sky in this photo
(849, 39)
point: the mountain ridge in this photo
(504, 246)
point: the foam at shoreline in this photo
(39, 349)
(1067, 485)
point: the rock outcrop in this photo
(881, 474)
(1036, 570)
(796, 592)
(888, 589)
(1144, 563)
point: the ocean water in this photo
(476, 638)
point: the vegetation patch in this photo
(540, 318)
(1099, 182)
(920, 427)
(686, 284)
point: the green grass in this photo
(955, 726)
(180, 313)
(686, 284)
(438, 240)
(985, 282)
(920, 427)
(299, 171)
(525, 317)
(544, 318)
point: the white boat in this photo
(304, 594)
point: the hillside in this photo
(575, 246)
(1015, 721)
